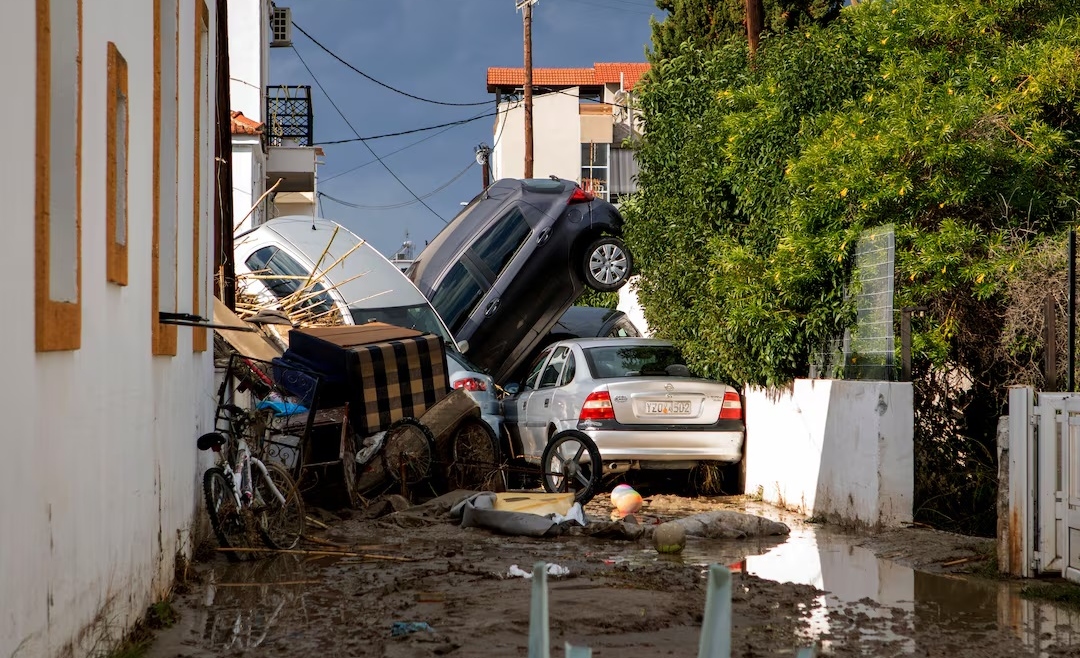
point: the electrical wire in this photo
(402, 204)
(449, 124)
(379, 82)
(362, 141)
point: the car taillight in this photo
(597, 407)
(471, 384)
(580, 196)
(732, 407)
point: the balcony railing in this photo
(288, 114)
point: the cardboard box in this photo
(384, 372)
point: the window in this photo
(534, 372)
(497, 246)
(312, 299)
(554, 368)
(202, 66)
(569, 371)
(456, 296)
(420, 317)
(58, 194)
(116, 168)
(594, 168)
(635, 361)
(163, 274)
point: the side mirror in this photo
(463, 346)
(512, 389)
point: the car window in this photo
(456, 296)
(623, 329)
(569, 371)
(497, 245)
(636, 361)
(420, 317)
(270, 262)
(534, 371)
(554, 368)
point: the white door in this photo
(1070, 476)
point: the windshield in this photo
(636, 361)
(420, 317)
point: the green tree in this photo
(709, 23)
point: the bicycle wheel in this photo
(408, 451)
(571, 462)
(474, 457)
(280, 526)
(229, 521)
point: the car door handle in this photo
(543, 237)
(491, 308)
(547, 401)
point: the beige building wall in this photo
(556, 138)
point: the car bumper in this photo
(668, 446)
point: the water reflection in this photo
(242, 604)
(963, 609)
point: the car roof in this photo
(585, 320)
(382, 283)
(585, 343)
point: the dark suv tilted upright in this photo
(514, 259)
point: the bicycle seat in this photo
(211, 441)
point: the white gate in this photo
(1043, 525)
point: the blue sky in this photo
(438, 49)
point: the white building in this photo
(272, 125)
(109, 190)
(581, 118)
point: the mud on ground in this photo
(620, 598)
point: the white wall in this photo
(556, 138)
(99, 471)
(249, 60)
(833, 448)
(249, 181)
(629, 304)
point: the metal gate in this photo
(1043, 478)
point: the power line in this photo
(379, 82)
(402, 204)
(410, 145)
(346, 120)
(448, 124)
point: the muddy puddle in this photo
(853, 579)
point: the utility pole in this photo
(755, 23)
(483, 156)
(526, 7)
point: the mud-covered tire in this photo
(228, 520)
(408, 451)
(565, 470)
(475, 460)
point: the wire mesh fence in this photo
(867, 349)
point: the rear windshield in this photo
(635, 361)
(419, 317)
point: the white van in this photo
(357, 285)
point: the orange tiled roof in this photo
(601, 73)
(241, 125)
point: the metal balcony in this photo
(288, 115)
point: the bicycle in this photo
(247, 500)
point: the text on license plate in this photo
(667, 407)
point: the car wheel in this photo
(607, 264)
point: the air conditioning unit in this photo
(280, 27)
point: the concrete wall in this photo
(556, 138)
(249, 181)
(99, 463)
(249, 56)
(833, 448)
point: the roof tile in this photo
(601, 73)
(241, 125)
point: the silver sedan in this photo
(634, 397)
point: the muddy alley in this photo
(413, 583)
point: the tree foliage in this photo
(709, 23)
(957, 121)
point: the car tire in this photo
(606, 264)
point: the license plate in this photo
(667, 407)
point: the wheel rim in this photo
(474, 459)
(408, 454)
(608, 264)
(566, 468)
(282, 524)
